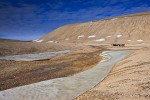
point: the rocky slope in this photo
(133, 29)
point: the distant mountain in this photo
(133, 28)
(10, 40)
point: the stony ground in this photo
(129, 79)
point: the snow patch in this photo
(35, 40)
(67, 39)
(56, 41)
(91, 36)
(100, 40)
(128, 40)
(83, 24)
(50, 41)
(80, 36)
(108, 36)
(119, 36)
(139, 40)
(114, 19)
(38, 40)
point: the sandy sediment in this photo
(128, 80)
(34, 57)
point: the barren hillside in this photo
(133, 29)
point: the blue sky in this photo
(31, 19)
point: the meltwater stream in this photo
(65, 88)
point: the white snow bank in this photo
(67, 39)
(100, 40)
(119, 36)
(37, 40)
(91, 36)
(80, 36)
(108, 36)
(140, 40)
(56, 41)
(114, 19)
(50, 41)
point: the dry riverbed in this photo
(18, 73)
(66, 88)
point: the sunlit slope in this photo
(124, 29)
